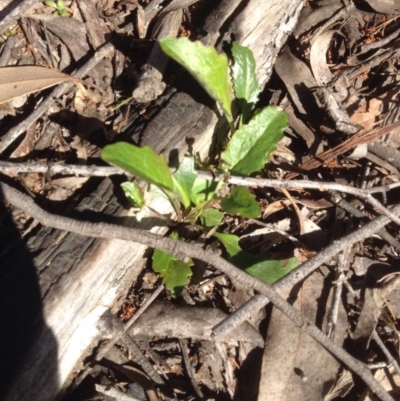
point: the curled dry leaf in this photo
(21, 80)
(319, 66)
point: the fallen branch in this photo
(101, 171)
(182, 249)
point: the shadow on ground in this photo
(21, 318)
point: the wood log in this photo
(74, 280)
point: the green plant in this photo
(59, 6)
(194, 199)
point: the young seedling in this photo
(248, 149)
(59, 6)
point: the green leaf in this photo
(244, 78)
(134, 193)
(270, 271)
(211, 217)
(203, 191)
(251, 145)
(60, 5)
(50, 3)
(208, 67)
(177, 276)
(174, 272)
(140, 162)
(184, 179)
(231, 244)
(161, 261)
(241, 202)
(259, 266)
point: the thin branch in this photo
(387, 353)
(349, 208)
(50, 169)
(337, 295)
(188, 365)
(114, 393)
(178, 248)
(141, 360)
(384, 188)
(245, 181)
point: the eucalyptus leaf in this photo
(259, 266)
(244, 78)
(208, 67)
(251, 145)
(141, 162)
(241, 202)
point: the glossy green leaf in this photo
(231, 244)
(141, 162)
(271, 271)
(174, 272)
(203, 191)
(208, 67)
(244, 78)
(51, 3)
(161, 261)
(211, 217)
(133, 192)
(251, 145)
(241, 202)
(184, 179)
(259, 266)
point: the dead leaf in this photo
(21, 80)
(294, 366)
(71, 31)
(27, 145)
(319, 66)
(342, 386)
(141, 21)
(367, 114)
(275, 207)
(8, 108)
(315, 204)
(64, 187)
(385, 6)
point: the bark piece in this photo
(163, 320)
